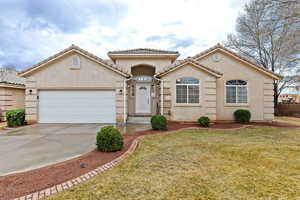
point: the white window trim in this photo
(188, 84)
(236, 104)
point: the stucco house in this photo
(75, 86)
(12, 91)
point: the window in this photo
(236, 92)
(76, 62)
(187, 91)
(142, 78)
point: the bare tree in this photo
(268, 33)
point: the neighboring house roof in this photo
(11, 77)
(181, 63)
(291, 93)
(74, 48)
(11, 85)
(239, 57)
(143, 52)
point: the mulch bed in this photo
(275, 124)
(20, 184)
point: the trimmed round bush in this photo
(109, 139)
(15, 118)
(203, 121)
(242, 116)
(159, 122)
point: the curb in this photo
(7, 130)
(99, 170)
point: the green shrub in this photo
(159, 122)
(242, 116)
(203, 121)
(109, 139)
(15, 118)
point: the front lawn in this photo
(290, 120)
(254, 163)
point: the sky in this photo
(33, 30)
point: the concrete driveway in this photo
(43, 144)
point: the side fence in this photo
(289, 109)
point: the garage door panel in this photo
(70, 106)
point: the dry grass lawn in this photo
(290, 120)
(255, 163)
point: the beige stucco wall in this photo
(260, 87)
(92, 75)
(10, 99)
(59, 75)
(191, 112)
(158, 63)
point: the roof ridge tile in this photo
(142, 51)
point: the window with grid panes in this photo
(187, 91)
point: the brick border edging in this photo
(99, 170)
(68, 184)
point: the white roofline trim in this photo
(242, 60)
(192, 63)
(37, 67)
(107, 66)
(23, 74)
(143, 54)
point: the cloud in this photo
(172, 23)
(154, 38)
(31, 30)
(34, 30)
(173, 40)
(67, 16)
(182, 43)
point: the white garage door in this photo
(77, 106)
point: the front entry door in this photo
(142, 103)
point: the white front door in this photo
(142, 103)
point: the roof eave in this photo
(12, 85)
(219, 47)
(217, 75)
(73, 48)
(116, 56)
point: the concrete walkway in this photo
(43, 144)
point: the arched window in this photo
(187, 91)
(236, 92)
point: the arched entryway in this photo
(143, 93)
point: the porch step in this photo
(138, 120)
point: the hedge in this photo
(15, 118)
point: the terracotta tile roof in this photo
(10, 76)
(73, 47)
(180, 63)
(219, 46)
(143, 51)
(12, 84)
